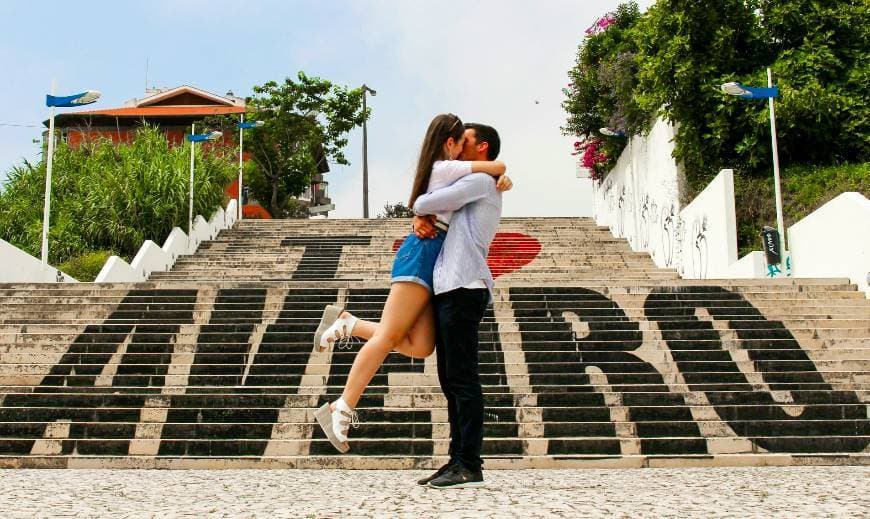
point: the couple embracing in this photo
(439, 290)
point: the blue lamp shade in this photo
(608, 132)
(202, 137)
(85, 98)
(747, 92)
(250, 124)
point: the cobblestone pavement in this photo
(716, 492)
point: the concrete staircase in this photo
(590, 356)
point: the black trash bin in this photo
(770, 238)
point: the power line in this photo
(21, 125)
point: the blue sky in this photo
(502, 62)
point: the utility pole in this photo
(366, 89)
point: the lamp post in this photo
(608, 132)
(194, 138)
(242, 127)
(769, 93)
(52, 101)
(366, 89)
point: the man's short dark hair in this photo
(487, 134)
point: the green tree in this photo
(602, 81)
(306, 122)
(687, 48)
(821, 62)
(397, 210)
(601, 92)
(296, 209)
(671, 60)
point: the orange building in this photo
(173, 111)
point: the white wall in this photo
(641, 192)
(834, 240)
(709, 226)
(640, 201)
(17, 266)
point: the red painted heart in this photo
(509, 252)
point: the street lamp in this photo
(365, 89)
(242, 126)
(194, 138)
(607, 132)
(769, 93)
(52, 101)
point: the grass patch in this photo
(804, 189)
(86, 267)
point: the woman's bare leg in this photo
(418, 344)
(420, 341)
(404, 306)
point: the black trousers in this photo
(458, 314)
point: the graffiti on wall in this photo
(660, 229)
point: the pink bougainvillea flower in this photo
(591, 156)
(601, 24)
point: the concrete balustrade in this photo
(834, 240)
(18, 266)
(152, 258)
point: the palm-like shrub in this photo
(109, 197)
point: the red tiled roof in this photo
(163, 111)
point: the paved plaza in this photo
(715, 492)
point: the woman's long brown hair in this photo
(441, 128)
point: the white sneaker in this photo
(334, 328)
(336, 423)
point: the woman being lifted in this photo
(407, 323)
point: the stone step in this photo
(528, 320)
(774, 286)
(428, 397)
(410, 446)
(424, 429)
(589, 355)
(428, 462)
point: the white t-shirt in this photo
(445, 173)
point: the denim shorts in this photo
(415, 259)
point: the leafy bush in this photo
(295, 209)
(108, 197)
(804, 189)
(397, 210)
(600, 94)
(87, 266)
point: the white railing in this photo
(152, 258)
(17, 266)
(834, 240)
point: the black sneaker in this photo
(444, 468)
(458, 477)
